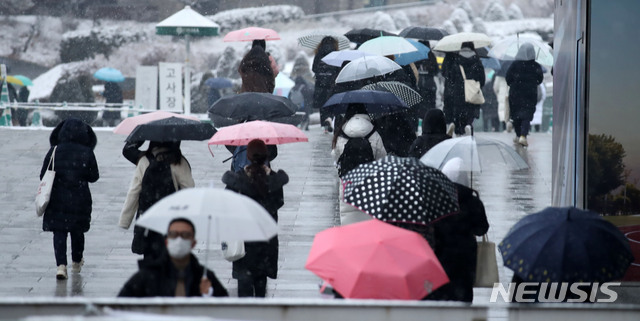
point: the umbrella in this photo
(387, 45)
(492, 63)
(313, 39)
(337, 58)
(566, 245)
(396, 189)
(366, 67)
(362, 35)
(253, 106)
(250, 34)
(376, 102)
(409, 57)
(172, 129)
(376, 260)
(283, 85)
(109, 74)
(19, 80)
(129, 124)
(219, 83)
(455, 41)
(271, 133)
(423, 33)
(507, 49)
(402, 91)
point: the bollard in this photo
(36, 119)
(5, 120)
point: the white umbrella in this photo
(366, 67)
(313, 39)
(455, 41)
(387, 46)
(507, 49)
(336, 58)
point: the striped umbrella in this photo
(402, 91)
(313, 39)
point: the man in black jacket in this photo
(177, 272)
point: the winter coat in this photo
(523, 78)
(325, 81)
(454, 102)
(398, 131)
(427, 70)
(160, 277)
(113, 95)
(490, 106)
(256, 73)
(69, 208)
(261, 258)
(434, 131)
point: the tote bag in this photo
(472, 90)
(486, 265)
(233, 250)
(46, 184)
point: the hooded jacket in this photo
(434, 131)
(523, 77)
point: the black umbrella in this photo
(402, 91)
(376, 102)
(253, 106)
(423, 33)
(361, 35)
(172, 129)
(397, 189)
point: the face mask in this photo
(178, 248)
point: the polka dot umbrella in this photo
(401, 190)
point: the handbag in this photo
(46, 184)
(486, 264)
(472, 90)
(233, 250)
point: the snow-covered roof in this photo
(187, 17)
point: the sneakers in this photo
(76, 267)
(516, 140)
(523, 141)
(509, 126)
(467, 130)
(451, 129)
(61, 273)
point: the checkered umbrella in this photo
(397, 189)
(313, 39)
(402, 91)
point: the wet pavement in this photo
(310, 206)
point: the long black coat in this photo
(434, 131)
(159, 278)
(454, 103)
(523, 78)
(261, 258)
(325, 80)
(69, 208)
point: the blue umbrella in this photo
(566, 245)
(376, 102)
(492, 63)
(413, 56)
(109, 74)
(219, 83)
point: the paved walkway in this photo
(310, 206)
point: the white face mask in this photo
(178, 248)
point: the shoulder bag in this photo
(486, 264)
(46, 184)
(472, 90)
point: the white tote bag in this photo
(46, 184)
(486, 264)
(472, 90)
(233, 250)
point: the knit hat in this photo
(257, 151)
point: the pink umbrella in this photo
(376, 260)
(250, 34)
(129, 124)
(271, 133)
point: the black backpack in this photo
(156, 183)
(356, 151)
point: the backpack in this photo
(240, 159)
(356, 151)
(157, 183)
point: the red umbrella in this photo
(376, 260)
(250, 34)
(271, 133)
(129, 124)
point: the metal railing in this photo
(371, 9)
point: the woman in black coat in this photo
(113, 95)
(325, 77)
(523, 78)
(434, 131)
(69, 209)
(264, 186)
(456, 109)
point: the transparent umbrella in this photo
(507, 49)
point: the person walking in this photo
(264, 185)
(325, 79)
(523, 77)
(160, 171)
(490, 118)
(70, 205)
(302, 95)
(177, 273)
(427, 71)
(434, 131)
(113, 95)
(501, 90)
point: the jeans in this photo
(60, 246)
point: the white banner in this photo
(171, 86)
(147, 87)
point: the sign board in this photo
(171, 86)
(147, 87)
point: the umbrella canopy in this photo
(491, 63)
(313, 39)
(283, 85)
(366, 67)
(231, 216)
(129, 124)
(409, 57)
(376, 102)
(253, 106)
(402, 91)
(250, 34)
(397, 189)
(566, 245)
(387, 45)
(362, 35)
(219, 83)
(187, 22)
(109, 74)
(476, 153)
(507, 49)
(19, 80)
(172, 129)
(376, 260)
(455, 41)
(269, 132)
(423, 33)
(337, 58)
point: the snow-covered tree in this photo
(460, 19)
(228, 64)
(382, 21)
(466, 6)
(401, 20)
(479, 26)
(13, 7)
(449, 27)
(258, 16)
(514, 12)
(495, 11)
